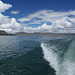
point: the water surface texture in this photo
(37, 55)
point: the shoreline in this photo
(37, 35)
(3, 33)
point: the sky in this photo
(55, 16)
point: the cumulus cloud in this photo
(46, 15)
(8, 24)
(24, 19)
(43, 28)
(60, 22)
(12, 25)
(14, 12)
(4, 6)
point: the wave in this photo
(60, 53)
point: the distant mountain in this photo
(20, 33)
(2, 32)
(44, 34)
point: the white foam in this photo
(69, 60)
(67, 66)
(50, 56)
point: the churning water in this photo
(60, 53)
(37, 55)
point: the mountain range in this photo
(4, 33)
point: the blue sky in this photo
(30, 6)
(30, 15)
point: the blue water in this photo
(37, 55)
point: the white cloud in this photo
(60, 21)
(47, 15)
(6, 23)
(14, 12)
(23, 19)
(4, 6)
(72, 12)
(4, 19)
(72, 19)
(42, 28)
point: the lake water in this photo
(37, 55)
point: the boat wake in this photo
(60, 53)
